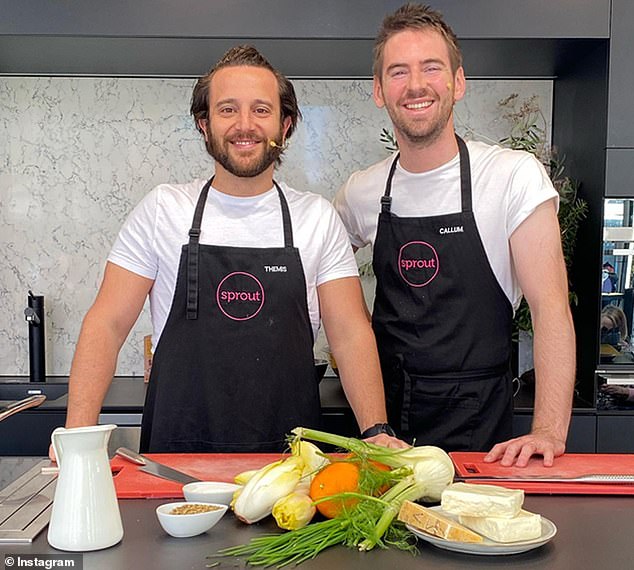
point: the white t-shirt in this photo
(151, 239)
(507, 186)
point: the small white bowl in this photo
(210, 492)
(184, 526)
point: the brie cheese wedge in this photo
(525, 526)
(472, 500)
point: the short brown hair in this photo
(245, 55)
(416, 17)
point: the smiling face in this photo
(244, 116)
(417, 87)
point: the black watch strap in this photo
(376, 429)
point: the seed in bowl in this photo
(193, 509)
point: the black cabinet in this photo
(621, 82)
(29, 433)
(581, 436)
(327, 38)
(615, 433)
(287, 18)
(620, 136)
(619, 170)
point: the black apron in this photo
(443, 327)
(233, 370)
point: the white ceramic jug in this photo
(85, 512)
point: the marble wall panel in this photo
(76, 154)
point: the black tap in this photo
(34, 315)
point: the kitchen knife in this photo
(154, 468)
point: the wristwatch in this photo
(376, 429)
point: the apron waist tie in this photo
(465, 375)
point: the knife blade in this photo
(154, 468)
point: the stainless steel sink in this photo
(26, 504)
(19, 391)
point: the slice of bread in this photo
(436, 524)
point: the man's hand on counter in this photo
(520, 449)
(387, 441)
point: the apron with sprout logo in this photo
(233, 370)
(443, 327)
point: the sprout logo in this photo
(418, 263)
(240, 296)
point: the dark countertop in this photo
(127, 394)
(123, 406)
(593, 532)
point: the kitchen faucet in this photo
(34, 315)
(15, 407)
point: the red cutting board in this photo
(130, 483)
(471, 468)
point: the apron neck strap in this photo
(386, 199)
(194, 232)
(286, 217)
(465, 175)
(193, 253)
(465, 180)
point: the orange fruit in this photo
(375, 464)
(377, 467)
(380, 467)
(338, 477)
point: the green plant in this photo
(528, 132)
(389, 140)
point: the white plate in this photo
(488, 547)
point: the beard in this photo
(219, 150)
(421, 132)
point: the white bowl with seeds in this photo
(184, 519)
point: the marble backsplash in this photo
(76, 154)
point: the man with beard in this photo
(239, 269)
(459, 232)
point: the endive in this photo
(294, 511)
(313, 458)
(311, 455)
(243, 478)
(265, 487)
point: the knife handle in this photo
(130, 455)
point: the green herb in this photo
(420, 472)
(356, 527)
